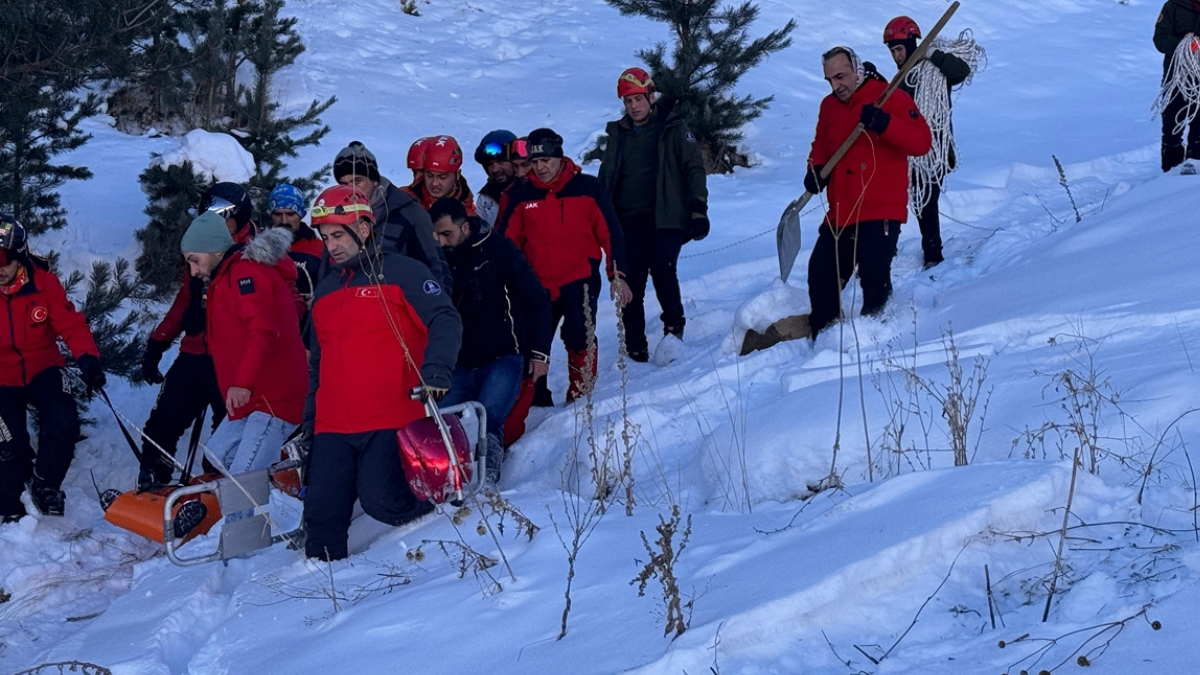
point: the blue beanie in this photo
(289, 197)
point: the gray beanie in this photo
(206, 234)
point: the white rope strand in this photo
(932, 96)
(1182, 79)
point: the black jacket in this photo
(1177, 19)
(403, 223)
(505, 309)
(682, 185)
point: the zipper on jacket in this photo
(12, 332)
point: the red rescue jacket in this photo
(562, 227)
(871, 181)
(31, 321)
(191, 297)
(254, 328)
(363, 317)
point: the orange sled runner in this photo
(239, 502)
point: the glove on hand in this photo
(91, 372)
(154, 353)
(813, 182)
(874, 119)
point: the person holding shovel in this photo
(867, 190)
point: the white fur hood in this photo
(269, 247)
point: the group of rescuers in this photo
(336, 331)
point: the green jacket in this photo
(1177, 19)
(682, 185)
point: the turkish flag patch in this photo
(39, 314)
(246, 285)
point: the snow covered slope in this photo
(776, 584)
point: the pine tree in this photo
(712, 51)
(111, 289)
(262, 132)
(172, 192)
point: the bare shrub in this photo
(465, 558)
(662, 566)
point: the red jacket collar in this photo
(569, 171)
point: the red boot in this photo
(581, 377)
(514, 426)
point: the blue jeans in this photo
(495, 385)
(250, 443)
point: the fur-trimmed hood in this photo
(269, 247)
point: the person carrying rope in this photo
(38, 313)
(382, 327)
(867, 190)
(1176, 35)
(929, 84)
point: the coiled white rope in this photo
(932, 96)
(1182, 79)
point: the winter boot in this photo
(189, 515)
(677, 331)
(639, 354)
(582, 378)
(495, 457)
(542, 397)
(1173, 155)
(47, 500)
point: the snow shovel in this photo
(438, 460)
(787, 234)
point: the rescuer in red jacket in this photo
(381, 327)
(562, 220)
(254, 335)
(190, 385)
(34, 314)
(868, 189)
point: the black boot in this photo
(188, 517)
(108, 497)
(677, 331)
(1173, 155)
(48, 501)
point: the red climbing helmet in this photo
(442, 155)
(416, 154)
(634, 81)
(341, 205)
(901, 28)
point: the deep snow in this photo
(1024, 285)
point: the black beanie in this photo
(544, 143)
(910, 46)
(355, 159)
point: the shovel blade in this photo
(787, 237)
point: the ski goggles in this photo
(494, 150)
(8, 235)
(633, 79)
(518, 149)
(222, 207)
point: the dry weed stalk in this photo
(1097, 640)
(662, 566)
(465, 558)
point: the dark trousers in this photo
(869, 246)
(1170, 115)
(930, 221)
(345, 467)
(651, 253)
(188, 388)
(49, 393)
(567, 309)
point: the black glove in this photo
(91, 372)
(194, 320)
(874, 119)
(699, 227)
(813, 182)
(937, 57)
(154, 353)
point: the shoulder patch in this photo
(246, 285)
(432, 288)
(912, 112)
(691, 138)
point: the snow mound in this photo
(218, 156)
